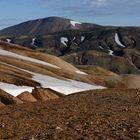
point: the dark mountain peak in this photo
(44, 26)
(55, 18)
(48, 19)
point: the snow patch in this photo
(33, 42)
(66, 87)
(64, 40)
(75, 43)
(110, 52)
(80, 72)
(117, 40)
(74, 38)
(13, 89)
(8, 40)
(73, 23)
(7, 53)
(82, 38)
(101, 47)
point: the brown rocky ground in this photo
(37, 94)
(93, 115)
(45, 94)
(27, 97)
(8, 99)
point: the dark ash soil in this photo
(94, 115)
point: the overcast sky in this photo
(104, 12)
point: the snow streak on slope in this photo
(11, 54)
(13, 89)
(101, 47)
(117, 40)
(64, 40)
(63, 86)
(33, 42)
(74, 22)
(8, 40)
(111, 52)
(80, 72)
(82, 38)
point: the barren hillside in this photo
(22, 70)
(93, 115)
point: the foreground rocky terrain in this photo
(99, 115)
(113, 48)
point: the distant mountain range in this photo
(113, 48)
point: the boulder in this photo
(27, 97)
(44, 94)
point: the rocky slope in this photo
(98, 115)
(29, 76)
(45, 26)
(113, 48)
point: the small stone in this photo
(32, 138)
(139, 131)
(126, 109)
(91, 123)
(67, 123)
(2, 125)
(97, 122)
(59, 128)
(124, 130)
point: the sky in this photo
(103, 12)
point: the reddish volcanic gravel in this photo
(94, 115)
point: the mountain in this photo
(116, 49)
(45, 26)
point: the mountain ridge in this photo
(49, 25)
(118, 48)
